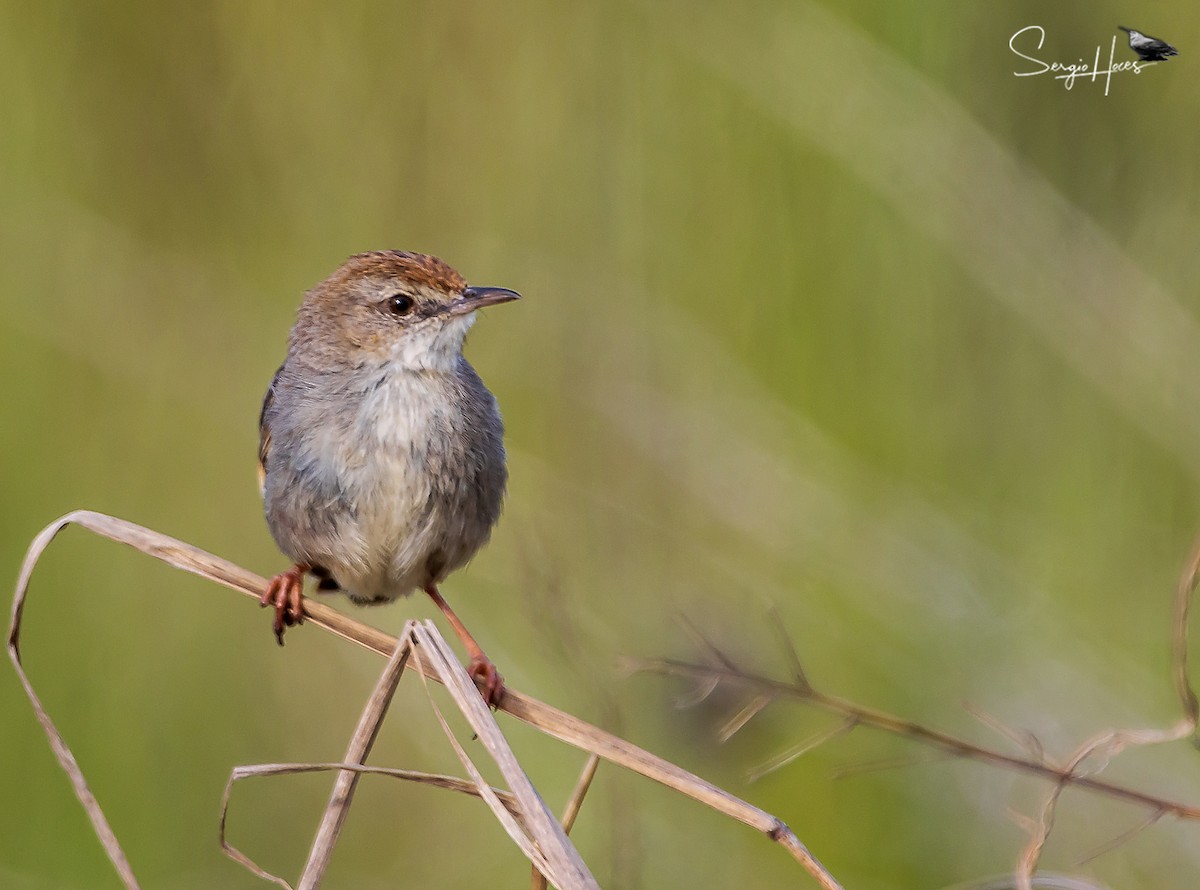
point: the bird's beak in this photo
(477, 297)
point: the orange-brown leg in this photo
(286, 593)
(480, 667)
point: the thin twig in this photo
(347, 780)
(1123, 838)
(1107, 745)
(734, 725)
(1022, 738)
(779, 761)
(799, 675)
(575, 801)
(571, 812)
(888, 764)
(934, 738)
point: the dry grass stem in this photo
(575, 801)
(701, 690)
(888, 764)
(1101, 749)
(949, 744)
(571, 812)
(1039, 833)
(1080, 769)
(1123, 837)
(784, 758)
(62, 752)
(449, 783)
(1022, 738)
(547, 719)
(775, 620)
(356, 753)
(534, 829)
(524, 815)
(752, 709)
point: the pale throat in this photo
(410, 397)
(432, 346)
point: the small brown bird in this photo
(381, 454)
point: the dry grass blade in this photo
(752, 709)
(775, 620)
(711, 649)
(59, 745)
(779, 761)
(1099, 751)
(544, 840)
(703, 689)
(570, 729)
(450, 783)
(571, 812)
(553, 722)
(1123, 838)
(1022, 738)
(888, 764)
(1028, 862)
(535, 830)
(1104, 746)
(360, 746)
(575, 802)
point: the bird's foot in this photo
(285, 592)
(487, 678)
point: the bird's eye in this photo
(399, 304)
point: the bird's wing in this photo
(264, 432)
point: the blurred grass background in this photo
(824, 307)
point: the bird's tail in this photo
(1123, 28)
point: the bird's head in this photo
(391, 307)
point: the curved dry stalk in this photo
(62, 752)
(449, 783)
(547, 719)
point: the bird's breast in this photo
(427, 476)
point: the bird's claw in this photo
(285, 592)
(488, 679)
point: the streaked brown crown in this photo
(419, 268)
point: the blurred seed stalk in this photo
(1079, 769)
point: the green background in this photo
(824, 308)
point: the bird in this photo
(1149, 49)
(381, 456)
